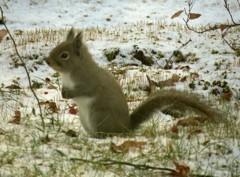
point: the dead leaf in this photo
(72, 109)
(205, 142)
(170, 146)
(223, 27)
(51, 106)
(169, 82)
(34, 111)
(47, 79)
(194, 75)
(194, 132)
(45, 139)
(177, 14)
(174, 129)
(13, 86)
(125, 146)
(71, 133)
(227, 96)
(193, 16)
(183, 79)
(183, 170)
(3, 33)
(189, 121)
(16, 118)
(52, 87)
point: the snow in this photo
(91, 13)
(124, 24)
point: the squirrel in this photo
(101, 103)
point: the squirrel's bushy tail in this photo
(175, 103)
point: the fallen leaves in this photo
(45, 139)
(51, 105)
(71, 133)
(3, 33)
(192, 121)
(72, 109)
(182, 170)
(126, 146)
(16, 118)
(227, 96)
(189, 121)
(165, 83)
(13, 86)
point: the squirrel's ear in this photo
(71, 34)
(77, 43)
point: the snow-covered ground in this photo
(210, 67)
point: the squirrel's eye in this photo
(64, 55)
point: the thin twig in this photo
(238, 3)
(106, 162)
(113, 162)
(226, 5)
(183, 45)
(222, 27)
(190, 6)
(26, 70)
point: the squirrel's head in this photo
(66, 54)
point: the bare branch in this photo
(226, 5)
(183, 45)
(106, 162)
(223, 27)
(26, 70)
(113, 162)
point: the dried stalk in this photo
(26, 70)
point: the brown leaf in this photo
(51, 87)
(194, 132)
(51, 106)
(3, 33)
(125, 146)
(45, 139)
(193, 16)
(170, 146)
(13, 86)
(169, 82)
(194, 75)
(223, 27)
(174, 129)
(183, 170)
(71, 133)
(189, 121)
(177, 14)
(73, 109)
(16, 118)
(47, 79)
(205, 142)
(227, 96)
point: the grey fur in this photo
(97, 90)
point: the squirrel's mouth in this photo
(54, 64)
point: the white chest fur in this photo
(83, 102)
(67, 81)
(84, 109)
